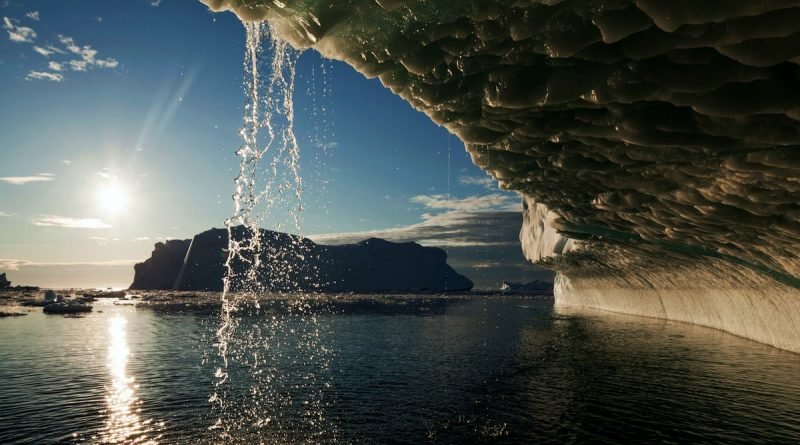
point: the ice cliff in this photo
(292, 263)
(655, 141)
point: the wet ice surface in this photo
(494, 370)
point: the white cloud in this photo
(17, 33)
(4, 214)
(16, 264)
(155, 2)
(107, 63)
(49, 51)
(152, 238)
(484, 245)
(486, 182)
(108, 173)
(78, 65)
(453, 228)
(103, 239)
(22, 180)
(494, 201)
(67, 162)
(472, 221)
(43, 51)
(69, 43)
(88, 55)
(70, 223)
(9, 264)
(44, 75)
(33, 15)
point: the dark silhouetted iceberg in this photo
(292, 263)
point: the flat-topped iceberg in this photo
(292, 263)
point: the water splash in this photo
(269, 338)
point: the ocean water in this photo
(474, 370)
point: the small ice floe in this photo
(86, 298)
(124, 303)
(51, 297)
(11, 314)
(106, 294)
(67, 307)
(58, 304)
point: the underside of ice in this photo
(656, 142)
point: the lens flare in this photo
(112, 198)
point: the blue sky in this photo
(147, 100)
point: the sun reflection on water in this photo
(124, 424)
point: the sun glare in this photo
(112, 198)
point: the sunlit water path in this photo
(492, 371)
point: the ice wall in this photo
(657, 142)
(714, 295)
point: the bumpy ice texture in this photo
(655, 141)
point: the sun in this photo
(112, 198)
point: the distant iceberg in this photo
(293, 263)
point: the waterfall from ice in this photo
(268, 381)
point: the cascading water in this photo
(269, 340)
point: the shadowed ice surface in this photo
(507, 370)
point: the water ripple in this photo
(481, 371)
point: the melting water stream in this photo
(253, 390)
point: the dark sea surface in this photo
(477, 370)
